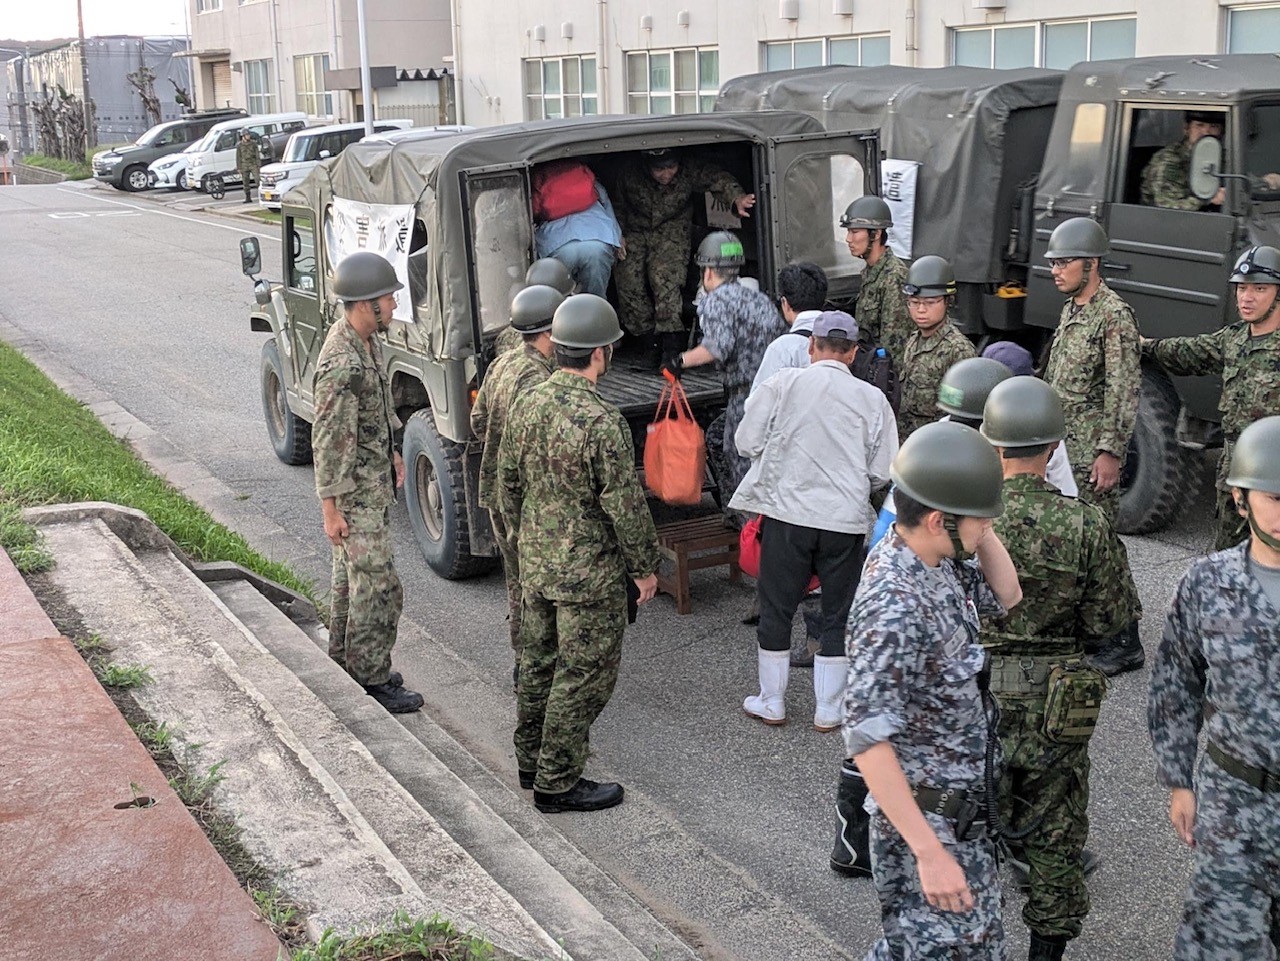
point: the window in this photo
(560, 87)
(1086, 162)
(673, 81)
(208, 6)
(302, 255)
(1253, 30)
(502, 237)
(257, 83)
(1055, 44)
(308, 81)
(1262, 151)
(869, 51)
(1001, 47)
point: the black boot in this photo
(852, 853)
(1121, 654)
(527, 778)
(1046, 949)
(397, 700)
(583, 796)
(671, 344)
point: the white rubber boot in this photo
(829, 676)
(770, 704)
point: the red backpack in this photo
(562, 187)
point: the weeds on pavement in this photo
(433, 939)
(124, 676)
(21, 541)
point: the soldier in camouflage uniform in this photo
(738, 324)
(915, 719)
(506, 379)
(881, 309)
(1076, 584)
(934, 347)
(655, 209)
(1166, 179)
(547, 272)
(248, 162)
(1219, 659)
(570, 496)
(357, 472)
(1246, 356)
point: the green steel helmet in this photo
(867, 213)
(533, 308)
(930, 277)
(1078, 237)
(1023, 412)
(720, 248)
(585, 322)
(364, 275)
(550, 272)
(950, 468)
(1255, 458)
(965, 386)
(1257, 265)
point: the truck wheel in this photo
(1157, 480)
(435, 495)
(136, 178)
(290, 435)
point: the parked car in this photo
(306, 148)
(416, 133)
(125, 168)
(171, 169)
(217, 151)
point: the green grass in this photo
(54, 451)
(21, 542)
(408, 940)
(266, 216)
(124, 676)
(74, 170)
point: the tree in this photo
(181, 96)
(144, 81)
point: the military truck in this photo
(1006, 155)
(454, 215)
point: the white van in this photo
(216, 153)
(306, 148)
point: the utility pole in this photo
(366, 85)
(90, 137)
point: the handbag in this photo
(749, 552)
(675, 450)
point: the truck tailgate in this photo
(636, 392)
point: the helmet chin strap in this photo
(951, 524)
(1258, 532)
(1084, 277)
(1275, 305)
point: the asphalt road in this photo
(728, 824)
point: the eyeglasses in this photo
(1061, 263)
(919, 303)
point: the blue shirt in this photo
(597, 222)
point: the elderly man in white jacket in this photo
(820, 441)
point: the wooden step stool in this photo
(694, 545)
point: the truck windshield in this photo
(1262, 152)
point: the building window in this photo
(208, 6)
(869, 51)
(1056, 44)
(1001, 47)
(257, 84)
(308, 81)
(560, 87)
(1253, 29)
(673, 81)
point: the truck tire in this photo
(1157, 480)
(435, 494)
(136, 178)
(290, 435)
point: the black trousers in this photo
(789, 556)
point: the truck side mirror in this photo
(250, 256)
(1206, 164)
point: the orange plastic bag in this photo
(675, 451)
(749, 552)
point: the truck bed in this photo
(636, 391)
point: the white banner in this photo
(385, 229)
(898, 187)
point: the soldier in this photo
(248, 162)
(655, 208)
(570, 497)
(738, 324)
(1166, 179)
(507, 378)
(1076, 584)
(935, 345)
(1219, 660)
(357, 472)
(881, 308)
(1247, 358)
(547, 272)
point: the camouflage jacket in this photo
(881, 310)
(1094, 366)
(355, 423)
(642, 203)
(507, 378)
(914, 657)
(1166, 179)
(247, 156)
(508, 339)
(1250, 369)
(1220, 650)
(738, 325)
(569, 493)
(925, 362)
(1074, 572)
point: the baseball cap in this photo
(1015, 357)
(835, 323)
(661, 157)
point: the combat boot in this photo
(852, 853)
(1121, 654)
(1046, 949)
(583, 796)
(829, 676)
(770, 704)
(397, 700)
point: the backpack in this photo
(874, 365)
(562, 187)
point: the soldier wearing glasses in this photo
(935, 344)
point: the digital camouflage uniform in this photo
(738, 325)
(1094, 367)
(1250, 371)
(925, 361)
(1166, 179)
(1076, 586)
(569, 492)
(881, 309)
(507, 378)
(914, 659)
(508, 339)
(657, 229)
(352, 441)
(1220, 656)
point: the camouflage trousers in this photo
(1108, 501)
(569, 657)
(728, 467)
(1050, 782)
(1232, 528)
(1232, 909)
(916, 931)
(510, 571)
(651, 278)
(366, 598)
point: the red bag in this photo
(562, 187)
(749, 552)
(675, 451)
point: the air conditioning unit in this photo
(842, 8)
(539, 33)
(566, 30)
(789, 9)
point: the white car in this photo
(306, 149)
(171, 169)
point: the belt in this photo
(1024, 675)
(1268, 782)
(964, 809)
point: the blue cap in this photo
(1015, 357)
(835, 323)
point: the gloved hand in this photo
(673, 365)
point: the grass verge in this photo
(266, 216)
(75, 170)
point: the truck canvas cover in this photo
(963, 125)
